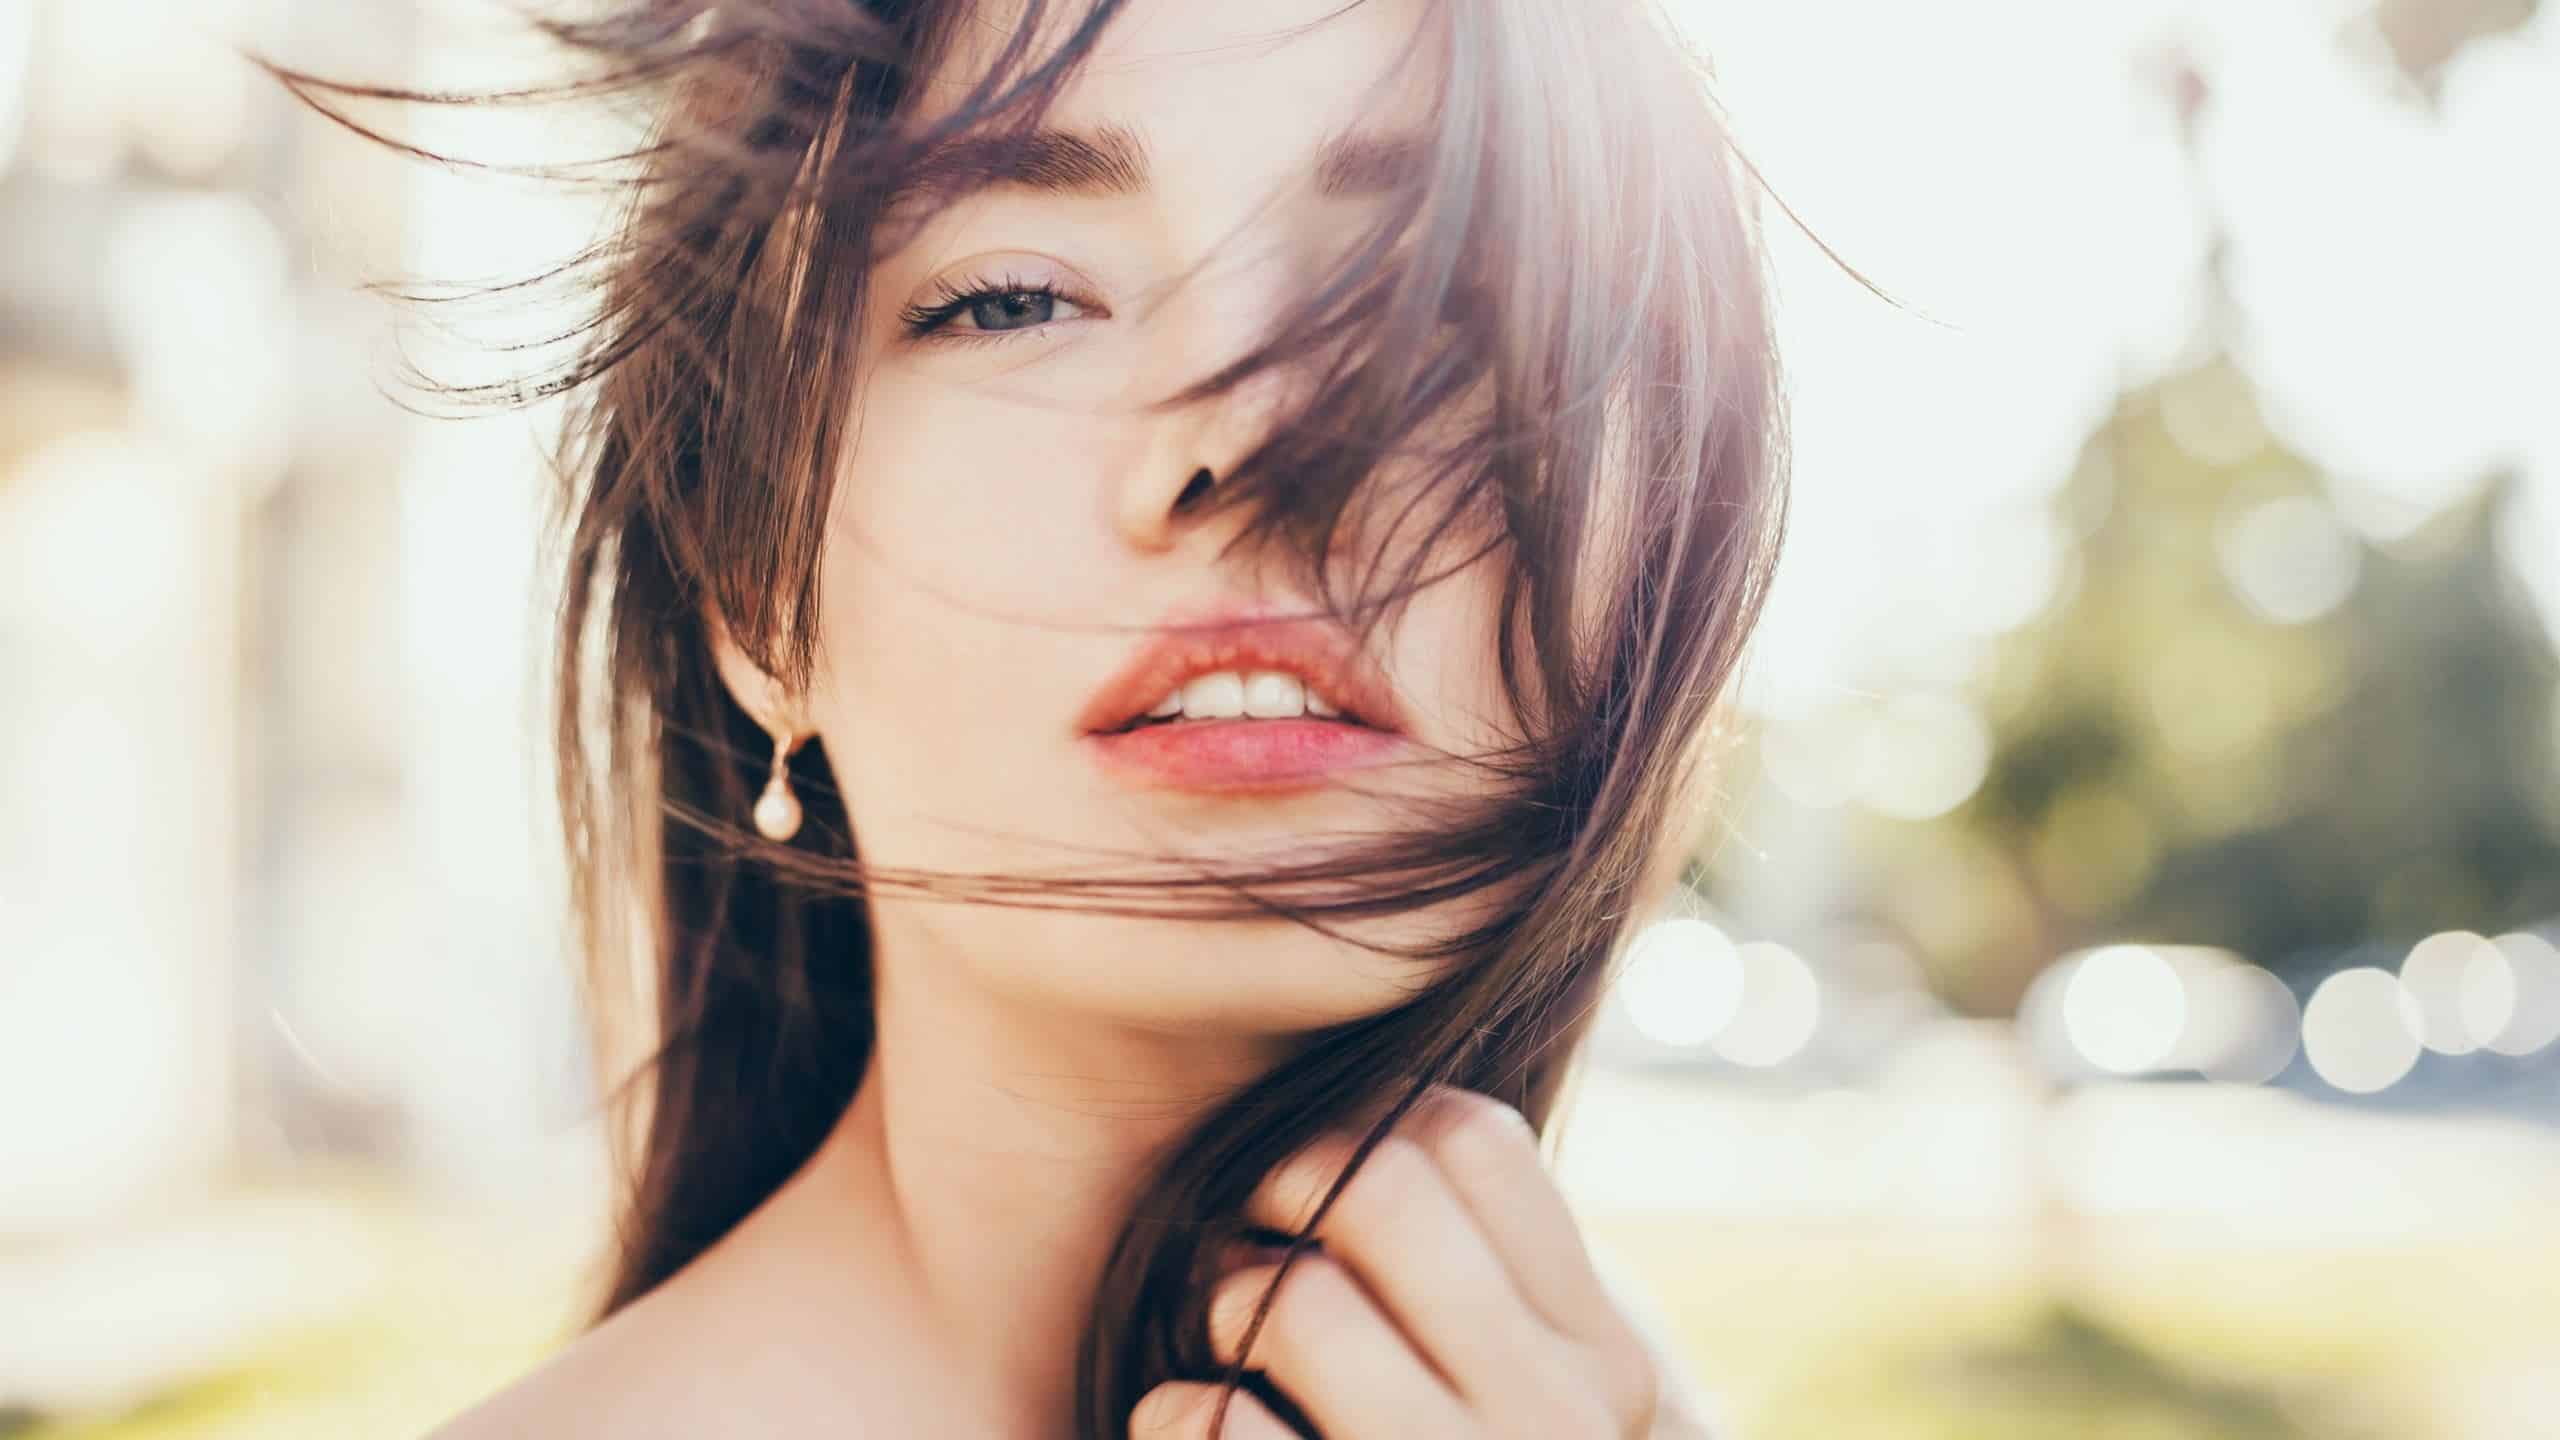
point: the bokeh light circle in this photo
(1683, 982)
(2361, 1030)
(2435, 972)
(2290, 559)
(1935, 752)
(2245, 1024)
(1781, 1004)
(2532, 1006)
(2123, 1008)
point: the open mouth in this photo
(1244, 705)
(1243, 695)
(1249, 669)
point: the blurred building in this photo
(272, 882)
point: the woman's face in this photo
(1007, 544)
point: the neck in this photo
(989, 1158)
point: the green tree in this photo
(2174, 762)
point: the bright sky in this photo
(2006, 167)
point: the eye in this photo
(973, 309)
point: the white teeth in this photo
(1272, 695)
(1260, 694)
(1214, 696)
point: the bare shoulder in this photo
(749, 1339)
(616, 1379)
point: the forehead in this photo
(1246, 74)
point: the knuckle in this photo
(1630, 1383)
(1232, 1303)
(1314, 1300)
(1329, 1154)
(1188, 1410)
(1297, 1183)
(1468, 1117)
(1171, 1411)
(1386, 1182)
(1331, 1299)
(1392, 1170)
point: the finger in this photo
(1402, 1230)
(1188, 1409)
(1328, 1347)
(1490, 1156)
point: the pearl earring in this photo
(777, 809)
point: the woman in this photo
(1148, 589)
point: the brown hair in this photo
(1569, 283)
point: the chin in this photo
(1239, 977)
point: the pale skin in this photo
(1004, 528)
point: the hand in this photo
(1453, 1298)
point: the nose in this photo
(1214, 317)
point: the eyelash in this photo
(951, 297)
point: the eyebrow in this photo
(1113, 160)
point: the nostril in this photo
(1194, 492)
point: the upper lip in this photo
(1318, 651)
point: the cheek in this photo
(963, 532)
(956, 498)
(1445, 656)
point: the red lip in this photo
(1244, 755)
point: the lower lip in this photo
(1244, 756)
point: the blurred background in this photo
(2120, 998)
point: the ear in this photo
(756, 692)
